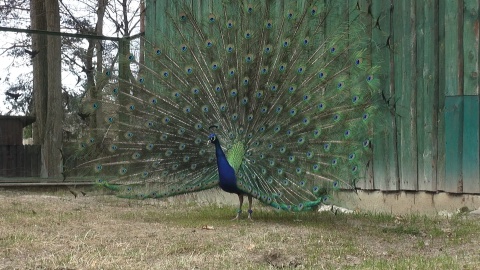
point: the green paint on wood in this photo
(421, 89)
(441, 96)
(452, 48)
(471, 146)
(358, 9)
(418, 45)
(471, 47)
(453, 143)
(405, 91)
(385, 165)
(427, 93)
(462, 115)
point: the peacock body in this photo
(286, 103)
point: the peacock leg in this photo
(239, 211)
(250, 207)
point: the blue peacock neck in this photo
(226, 173)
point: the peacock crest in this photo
(286, 102)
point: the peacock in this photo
(273, 107)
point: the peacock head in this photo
(212, 137)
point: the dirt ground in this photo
(59, 231)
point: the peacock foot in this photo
(250, 214)
(238, 215)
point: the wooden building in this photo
(429, 57)
(16, 159)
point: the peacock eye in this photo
(182, 16)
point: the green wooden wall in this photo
(428, 51)
(430, 70)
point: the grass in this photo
(57, 231)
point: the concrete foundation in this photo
(400, 203)
(396, 203)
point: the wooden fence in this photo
(428, 51)
(430, 72)
(20, 160)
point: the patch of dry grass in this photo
(57, 231)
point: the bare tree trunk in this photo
(126, 21)
(40, 68)
(53, 141)
(90, 72)
(102, 5)
(142, 30)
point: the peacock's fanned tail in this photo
(292, 103)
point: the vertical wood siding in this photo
(19, 160)
(430, 73)
(428, 51)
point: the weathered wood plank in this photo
(427, 93)
(149, 28)
(361, 12)
(385, 149)
(471, 47)
(471, 145)
(160, 35)
(154, 32)
(380, 142)
(453, 53)
(3, 160)
(28, 161)
(454, 112)
(441, 97)
(33, 181)
(20, 157)
(19, 160)
(11, 154)
(405, 90)
(35, 152)
(421, 87)
(14, 160)
(150, 19)
(336, 19)
(398, 69)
